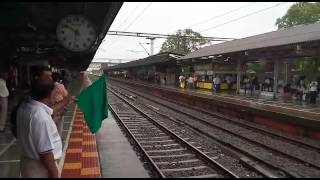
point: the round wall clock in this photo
(76, 33)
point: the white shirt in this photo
(181, 78)
(36, 131)
(216, 80)
(3, 88)
(314, 86)
(228, 79)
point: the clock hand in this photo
(69, 27)
(74, 39)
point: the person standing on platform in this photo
(318, 81)
(267, 84)
(313, 92)
(287, 90)
(4, 93)
(229, 83)
(216, 82)
(246, 82)
(12, 79)
(190, 82)
(301, 88)
(57, 96)
(182, 81)
(195, 80)
(37, 134)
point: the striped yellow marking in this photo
(89, 154)
(72, 166)
(89, 171)
(88, 142)
(87, 134)
(75, 139)
(77, 125)
(77, 132)
(75, 150)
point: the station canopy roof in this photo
(28, 30)
(291, 36)
(150, 60)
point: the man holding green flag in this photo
(93, 102)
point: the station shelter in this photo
(274, 54)
(160, 69)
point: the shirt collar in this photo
(44, 106)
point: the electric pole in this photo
(151, 44)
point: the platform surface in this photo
(117, 157)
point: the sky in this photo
(212, 19)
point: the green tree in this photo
(308, 66)
(180, 44)
(300, 13)
(256, 67)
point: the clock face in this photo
(76, 33)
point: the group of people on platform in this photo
(8, 85)
(37, 121)
(190, 82)
(302, 89)
(299, 88)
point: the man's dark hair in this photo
(56, 77)
(41, 90)
(38, 70)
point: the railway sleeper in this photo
(167, 150)
(174, 165)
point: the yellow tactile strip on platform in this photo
(81, 159)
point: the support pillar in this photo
(275, 77)
(286, 72)
(238, 75)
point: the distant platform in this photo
(262, 109)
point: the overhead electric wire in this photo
(138, 16)
(141, 34)
(220, 15)
(236, 19)
(125, 20)
(129, 15)
(132, 22)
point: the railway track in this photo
(169, 154)
(243, 123)
(283, 169)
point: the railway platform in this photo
(106, 154)
(117, 158)
(289, 116)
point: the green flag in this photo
(94, 104)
